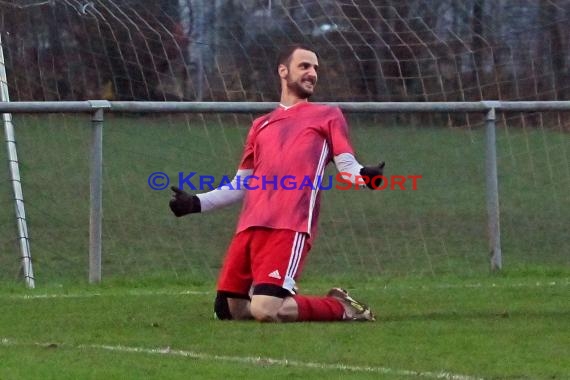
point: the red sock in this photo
(319, 308)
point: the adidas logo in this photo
(275, 274)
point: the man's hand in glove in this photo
(183, 203)
(373, 175)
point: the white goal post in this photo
(23, 238)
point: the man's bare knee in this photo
(264, 314)
(265, 308)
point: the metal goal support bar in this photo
(89, 106)
(97, 108)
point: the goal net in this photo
(224, 50)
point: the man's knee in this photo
(264, 311)
(267, 303)
(225, 307)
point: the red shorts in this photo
(261, 255)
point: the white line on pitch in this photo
(88, 295)
(478, 285)
(252, 360)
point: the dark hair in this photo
(284, 57)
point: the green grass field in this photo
(420, 258)
(492, 328)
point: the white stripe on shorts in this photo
(294, 260)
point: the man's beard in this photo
(298, 90)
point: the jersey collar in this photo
(294, 106)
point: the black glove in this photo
(183, 203)
(373, 171)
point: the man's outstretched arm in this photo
(183, 203)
